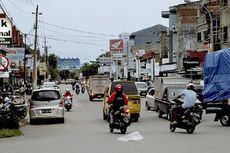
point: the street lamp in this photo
(211, 22)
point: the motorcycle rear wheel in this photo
(225, 120)
(111, 129)
(190, 130)
(123, 130)
(172, 127)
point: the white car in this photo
(142, 88)
(49, 84)
(46, 103)
(150, 99)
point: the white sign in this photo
(5, 28)
(4, 74)
(5, 31)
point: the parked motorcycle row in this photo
(11, 111)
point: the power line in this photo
(21, 10)
(70, 41)
(30, 3)
(75, 30)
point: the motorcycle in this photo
(68, 103)
(77, 91)
(8, 117)
(119, 120)
(189, 119)
(83, 90)
(21, 110)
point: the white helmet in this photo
(67, 90)
(6, 99)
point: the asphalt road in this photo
(85, 131)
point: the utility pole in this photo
(25, 70)
(46, 58)
(35, 50)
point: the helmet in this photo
(190, 86)
(6, 99)
(118, 88)
(67, 90)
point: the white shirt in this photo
(188, 98)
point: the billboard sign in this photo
(68, 64)
(16, 57)
(4, 63)
(5, 31)
(116, 45)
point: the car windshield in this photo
(45, 95)
(129, 88)
(141, 85)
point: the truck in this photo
(96, 86)
(216, 92)
(167, 89)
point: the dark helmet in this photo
(190, 86)
(118, 88)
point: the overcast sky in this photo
(82, 28)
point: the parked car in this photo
(150, 86)
(150, 100)
(142, 88)
(46, 103)
(130, 89)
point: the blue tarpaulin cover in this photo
(216, 73)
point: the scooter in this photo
(189, 120)
(83, 90)
(68, 103)
(119, 120)
(77, 91)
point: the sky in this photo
(83, 28)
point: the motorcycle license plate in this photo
(44, 111)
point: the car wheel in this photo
(62, 120)
(147, 106)
(32, 122)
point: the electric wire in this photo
(21, 10)
(29, 2)
(75, 30)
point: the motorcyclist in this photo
(77, 86)
(68, 93)
(117, 99)
(188, 98)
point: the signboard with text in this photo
(68, 64)
(5, 31)
(16, 57)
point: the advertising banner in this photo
(68, 64)
(15, 57)
(42, 69)
(116, 45)
(5, 31)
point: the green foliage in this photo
(10, 133)
(64, 74)
(90, 68)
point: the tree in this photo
(64, 74)
(52, 66)
(90, 68)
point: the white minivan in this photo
(46, 103)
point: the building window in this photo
(225, 31)
(224, 3)
(199, 36)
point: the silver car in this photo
(46, 103)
